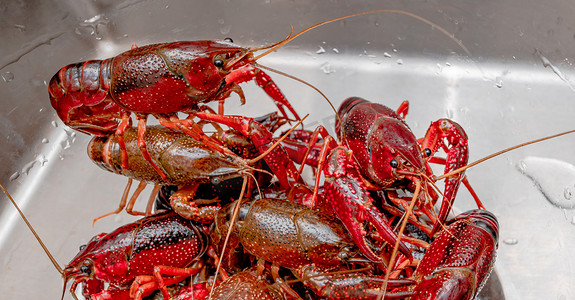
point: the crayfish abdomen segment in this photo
(291, 235)
(183, 159)
(166, 241)
(79, 94)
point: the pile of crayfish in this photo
(235, 218)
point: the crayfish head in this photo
(81, 272)
(391, 148)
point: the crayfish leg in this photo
(126, 121)
(263, 80)
(130, 207)
(142, 119)
(122, 205)
(403, 109)
(184, 204)
(192, 129)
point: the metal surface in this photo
(517, 87)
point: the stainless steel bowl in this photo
(518, 85)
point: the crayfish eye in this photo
(219, 63)
(82, 247)
(393, 163)
(344, 256)
(85, 269)
(427, 152)
(229, 40)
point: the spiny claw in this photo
(352, 203)
(262, 139)
(190, 210)
(457, 156)
(460, 258)
(452, 283)
(350, 285)
(184, 204)
(250, 72)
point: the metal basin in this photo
(516, 86)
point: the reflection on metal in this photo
(505, 96)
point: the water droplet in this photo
(568, 192)
(27, 167)
(498, 82)
(335, 50)
(37, 82)
(54, 124)
(449, 112)
(225, 29)
(510, 242)
(327, 68)
(14, 176)
(42, 160)
(554, 178)
(221, 21)
(448, 64)
(8, 76)
(547, 63)
(92, 26)
(385, 54)
(400, 61)
(320, 51)
(45, 141)
(20, 27)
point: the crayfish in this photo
(343, 238)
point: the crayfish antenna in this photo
(399, 234)
(235, 213)
(252, 161)
(290, 38)
(52, 259)
(395, 11)
(329, 273)
(456, 171)
(238, 203)
(304, 82)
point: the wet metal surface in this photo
(517, 86)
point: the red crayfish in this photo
(139, 255)
(160, 79)
(377, 150)
(186, 162)
(292, 236)
(98, 96)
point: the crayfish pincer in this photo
(459, 261)
(139, 257)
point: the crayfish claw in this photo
(353, 204)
